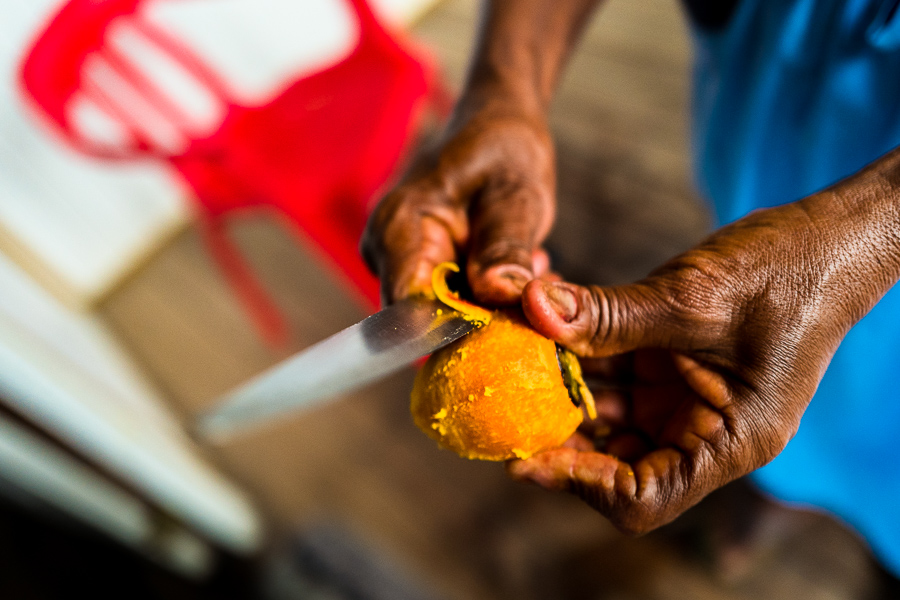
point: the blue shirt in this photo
(790, 97)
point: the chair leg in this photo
(256, 302)
(336, 241)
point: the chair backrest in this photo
(55, 76)
(51, 73)
(317, 152)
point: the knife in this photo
(377, 346)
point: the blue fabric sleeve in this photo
(792, 96)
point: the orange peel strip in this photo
(451, 298)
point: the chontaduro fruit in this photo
(500, 391)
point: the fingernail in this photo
(514, 274)
(562, 299)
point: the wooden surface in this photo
(461, 527)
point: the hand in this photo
(720, 351)
(484, 197)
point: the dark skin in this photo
(716, 354)
(486, 191)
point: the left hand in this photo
(721, 350)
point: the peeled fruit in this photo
(499, 392)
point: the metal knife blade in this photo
(377, 346)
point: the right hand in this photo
(484, 197)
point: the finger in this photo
(603, 481)
(412, 230)
(540, 264)
(579, 441)
(550, 276)
(595, 322)
(708, 384)
(508, 223)
(657, 489)
(561, 468)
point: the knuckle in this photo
(614, 312)
(763, 434)
(697, 299)
(631, 514)
(634, 521)
(603, 317)
(504, 250)
(397, 220)
(404, 208)
(509, 144)
(694, 284)
(510, 194)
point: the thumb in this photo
(508, 223)
(602, 321)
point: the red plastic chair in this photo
(317, 153)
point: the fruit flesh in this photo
(495, 394)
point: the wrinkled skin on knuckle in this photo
(495, 251)
(766, 425)
(635, 520)
(715, 466)
(624, 512)
(697, 475)
(599, 322)
(655, 497)
(648, 511)
(517, 201)
(497, 145)
(702, 288)
(640, 515)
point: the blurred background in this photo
(182, 183)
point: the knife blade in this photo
(377, 346)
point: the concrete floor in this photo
(461, 528)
